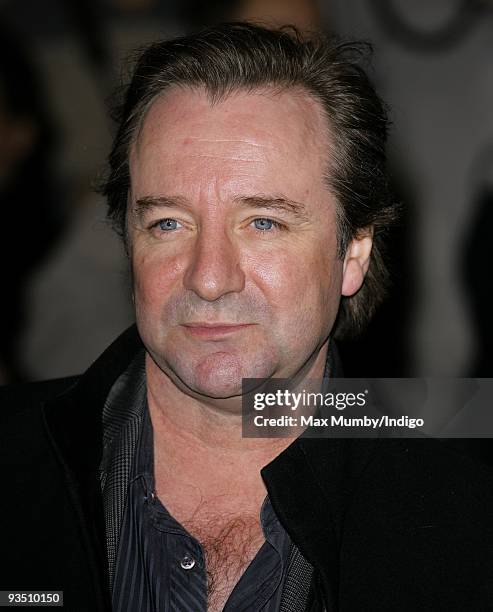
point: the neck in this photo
(212, 425)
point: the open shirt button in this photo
(187, 563)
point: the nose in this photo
(214, 269)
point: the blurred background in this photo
(65, 289)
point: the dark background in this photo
(65, 290)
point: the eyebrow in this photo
(143, 205)
(278, 203)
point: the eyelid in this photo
(156, 214)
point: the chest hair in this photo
(229, 543)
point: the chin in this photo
(218, 375)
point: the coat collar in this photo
(74, 419)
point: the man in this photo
(248, 180)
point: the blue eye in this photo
(264, 224)
(168, 224)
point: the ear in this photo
(356, 261)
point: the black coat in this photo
(389, 525)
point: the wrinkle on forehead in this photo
(224, 158)
(176, 108)
(230, 140)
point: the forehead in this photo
(275, 136)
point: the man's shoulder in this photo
(23, 439)
(17, 399)
(98, 378)
(35, 392)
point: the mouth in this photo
(214, 330)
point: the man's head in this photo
(248, 178)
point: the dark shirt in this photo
(160, 566)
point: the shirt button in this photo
(150, 498)
(188, 562)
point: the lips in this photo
(214, 330)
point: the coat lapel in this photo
(310, 485)
(73, 422)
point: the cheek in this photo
(154, 278)
(270, 274)
(303, 285)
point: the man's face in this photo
(232, 234)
